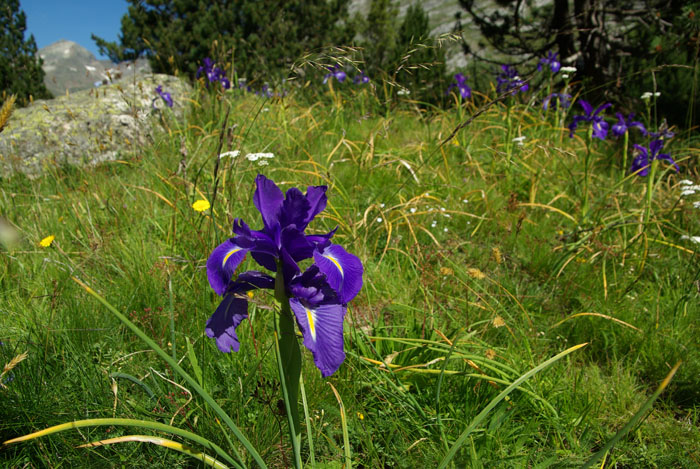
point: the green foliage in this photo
(378, 32)
(618, 47)
(258, 38)
(670, 63)
(20, 68)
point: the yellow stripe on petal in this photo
(229, 254)
(333, 260)
(312, 326)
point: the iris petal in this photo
(343, 271)
(223, 323)
(322, 329)
(316, 195)
(222, 264)
(268, 200)
(587, 107)
(667, 157)
(294, 209)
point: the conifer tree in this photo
(260, 36)
(379, 34)
(20, 67)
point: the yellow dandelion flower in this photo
(360, 416)
(201, 205)
(250, 294)
(46, 242)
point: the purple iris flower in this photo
(664, 133)
(335, 72)
(600, 127)
(551, 101)
(361, 79)
(508, 80)
(461, 84)
(164, 95)
(643, 159)
(318, 296)
(623, 125)
(213, 74)
(551, 60)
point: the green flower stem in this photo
(509, 148)
(288, 364)
(650, 191)
(586, 173)
(625, 147)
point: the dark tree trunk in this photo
(561, 23)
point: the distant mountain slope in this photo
(70, 67)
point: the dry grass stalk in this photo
(6, 111)
(9, 366)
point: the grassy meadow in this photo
(485, 251)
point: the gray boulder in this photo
(89, 126)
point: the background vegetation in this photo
(479, 265)
(20, 68)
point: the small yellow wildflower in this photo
(46, 242)
(201, 205)
(360, 416)
(250, 294)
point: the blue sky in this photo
(75, 20)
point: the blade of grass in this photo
(344, 423)
(116, 422)
(176, 367)
(307, 419)
(134, 380)
(633, 421)
(206, 459)
(495, 401)
(439, 388)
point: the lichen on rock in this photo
(88, 127)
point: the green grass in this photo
(482, 267)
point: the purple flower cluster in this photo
(339, 74)
(361, 78)
(461, 84)
(335, 72)
(550, 60)
(164, 95)
(509, 80)
(643, 155)
(214, 74)
(318, 297)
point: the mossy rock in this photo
(88, 127)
